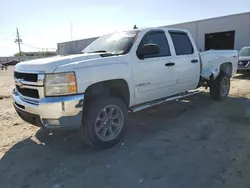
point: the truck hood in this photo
(48, 65)
(244, 58)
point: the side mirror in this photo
(148, 49)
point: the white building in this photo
(73, 47)
(227, 32)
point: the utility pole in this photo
(18, 41)
(71, 29)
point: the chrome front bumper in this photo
(51, 112)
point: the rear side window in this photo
(159, 39)
(182, 43)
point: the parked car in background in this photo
(3, 66)
(13, 62)
(244, 59)
(117, 73)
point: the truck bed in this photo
(211, 62)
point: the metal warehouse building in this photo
(227, 32)
(73, 47)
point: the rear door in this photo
(153, 78)
(186, 59)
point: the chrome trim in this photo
(51, 109)
(40, 92)
(40, 80)
(30, 101)
(31, 72)
(19, 82)
(157, 102)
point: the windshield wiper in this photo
(105, 53)
(99, 51)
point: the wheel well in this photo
(118, 88)
(227, 68)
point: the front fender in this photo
(93, 74)
(103, 69)
(89, 75)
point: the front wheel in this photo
(220, 87)
(104, 122)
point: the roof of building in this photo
(207, 19)
(168, 26)
(93, 38)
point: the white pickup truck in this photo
(120, 72)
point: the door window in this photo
(160, 40)
(182, 43)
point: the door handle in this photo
(194, 61)
(169, 64)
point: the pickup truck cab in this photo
(117, 73)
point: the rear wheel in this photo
(220, 87)
(104, 122)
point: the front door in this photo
(154, 75)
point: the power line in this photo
(31, 46)
(35, 47)
(18, 40)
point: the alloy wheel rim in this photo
(224, 88)
(109, 123)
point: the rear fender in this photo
(212, 72)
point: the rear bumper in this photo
(51, 112)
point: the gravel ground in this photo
(191, 143)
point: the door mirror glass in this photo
(148, 49)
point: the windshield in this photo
(244, 52)
(116, 43)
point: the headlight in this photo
(60, 84)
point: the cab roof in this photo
(159, 28)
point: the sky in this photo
(42, 24)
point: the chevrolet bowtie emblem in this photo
(19, 83)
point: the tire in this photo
(99, 122)
(220, 87)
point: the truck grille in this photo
(242, 63)
(33, 93)
(29, 77)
